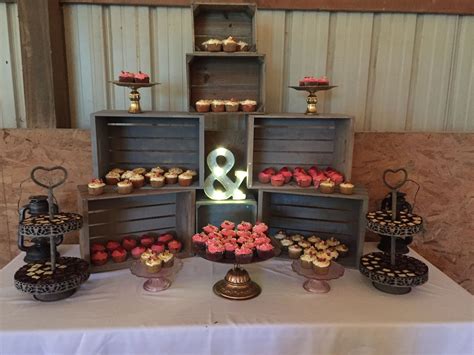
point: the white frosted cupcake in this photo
(321, 267)
(306, 261)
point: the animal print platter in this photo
(43, 226)
(406, 225)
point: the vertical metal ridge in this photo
(371, 77)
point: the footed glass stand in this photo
(158, 281)
(317, 283)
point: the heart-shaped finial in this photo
(52, 179)
(390, 174)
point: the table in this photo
(112, 314)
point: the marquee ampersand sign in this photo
(219, 173)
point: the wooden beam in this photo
(458, 7)
(44, 64)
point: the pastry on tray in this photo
(327, 187)
(137, 181)
(112, 178)
(229, 44)
(231, 105)
(171, 178)
(157, 180)
(243, 46)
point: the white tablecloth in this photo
(112, 314)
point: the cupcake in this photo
(128, 243)
(313, 239)
(280, 235)
(286, 243)
(157, 170)
(112, 245)
(153, 265)
(265, 251)
(167, 258)
(203, 105)
(244, 226)
(243, 46)
(230, 250)
(193, 173)
(210, 229)
(304, 180)
(213, 45)
(148, 175)
(243, 255)
(264, 177)
(96, 187)
(147, 241)
(228, 233)
(217, 106)
(321, 267)
(248, 105)
(304, 244)
(297, 238)
(185, 180)
(327, 187)
(99, 258)
(97, 247)
(112, 178)
(260, 227)
(346, 188)
(287, 174)
(294, 251)
(140, 171)
(127, 175)
(227, 225)
(165, 238)
(175, 170)
(158, 247)
(310, 251)
(321, 245)
(171, 178)
(119, 255)
(231, 106)
(174, 246)
(141, 77)
(229, 45)
(137, 181)
(342, 249)
(124, 187)
(199, 241)
(215, 251)
(147, 254)
(157, 180)
(137, 252)
(277, 180)
(306, 261)
(126, 77)
(332, 242)
(333, 254)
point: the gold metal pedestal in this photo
(312, 99)
(237, 285)
(134, 95)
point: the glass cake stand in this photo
(158, 281)
(317, 283)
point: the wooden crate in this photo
(215, 212)
(111, 217)
(334, 215)
(223, 20)
(224, 76)
(298, 140)
(127, 141)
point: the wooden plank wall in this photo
(396, 72)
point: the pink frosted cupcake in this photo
(158, 247)
(244, 226)
(210, 229)
(265, 251)
(199, 241)
(243, 234)
(262, 240)
(175, 246)
(165, 238)
(215, 251)
(230, 250)
(228, 233)
(137, 252)
(146, 241)
(228, 225)
(243, 255)
(287, 174)
(260, 228)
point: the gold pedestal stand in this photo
(312, 99)
(237, 285)
(134, 95)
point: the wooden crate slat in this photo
(152, 132)
(283, 158)
(157, 119)
(314, 213)
(153, 158)
(132, 201)
(163, 144)
(312, 225)
(343, 204)
(131, 226)
(281, 122)
(279, 145)
(137, 233)
(124, 214)
(293, 135)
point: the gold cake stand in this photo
(134, 95)
(312, 99)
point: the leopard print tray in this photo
(380, 222)
(42, 226)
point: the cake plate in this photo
(312, 99)
(237, 284)
(391, 272)
(317, 283)
(134, 95)
(158, 281)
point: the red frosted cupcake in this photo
(147, 241)
(260, 228)
(119, 255)
(278, 180)
(230, 250)
(97, 247)
(174, 246)
(262, 240)
(210, 229)
(287, 174)
(158, 247)
(264, 177)
(243, 255)
(304, 180)
(199, 241)
(112, 245)
(137, 251)
(165, 238)
(141, 77)
(299, 170)
(313, 171)
(215, 251)
(128, 243)
(228, 233)
(227, 225)
(126, 77)
(265, 251)
(99, 258)
(244, 226)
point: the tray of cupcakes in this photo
(120, 253)
(228, 45)
(220, 105)
(243, 243)
(326, 181)
(126, 181)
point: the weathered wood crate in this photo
(334, 215)
(220, 21)
(298, 140)
(128, 141)
(112, 217)
(225, 76)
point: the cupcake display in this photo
(225, 105)
(229, 45)
(312, 81)
(128, 77)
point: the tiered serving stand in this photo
(390, 272)
(158, 281)
(317, 283)
(60, 277)
(312, 99)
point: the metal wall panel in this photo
(12, 100)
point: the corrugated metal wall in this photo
(395, 71)
(12, 99)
